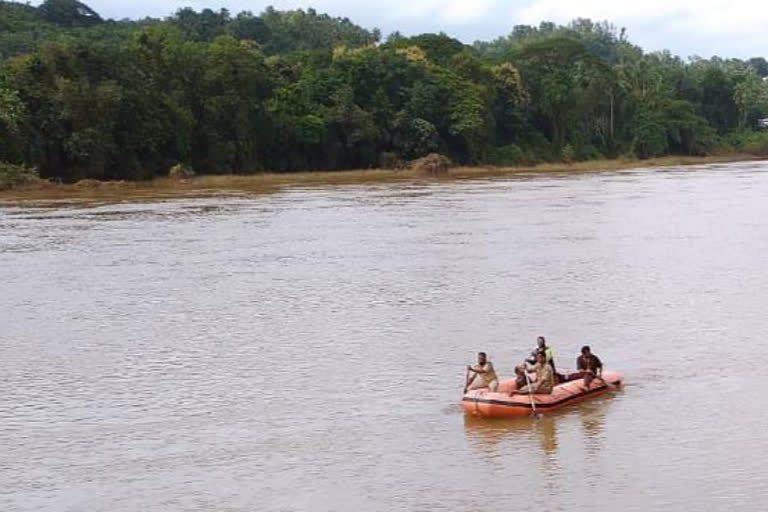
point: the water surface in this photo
(305, 351)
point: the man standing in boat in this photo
(589, 365)
(483, 375)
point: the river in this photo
(305, 350)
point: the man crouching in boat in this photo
(545, 378)
(589, 365)
(487, 375)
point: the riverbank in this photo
(212, 185)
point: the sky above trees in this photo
(734, 28)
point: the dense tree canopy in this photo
(83, 97)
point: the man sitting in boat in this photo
(545, 378)
(520, 378)
(589, 365)
(483, 375)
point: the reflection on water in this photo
(592, 421)
(304, 351)
(489, 434)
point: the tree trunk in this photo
(611, 129)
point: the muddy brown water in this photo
(305, 350)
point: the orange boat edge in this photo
(482, 402)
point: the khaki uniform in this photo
(545, 380)
(485, 380)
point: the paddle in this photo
(530, 393)
(466, 382)
(607, 384)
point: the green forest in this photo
(86, 97)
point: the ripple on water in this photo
(305, 350)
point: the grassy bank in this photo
(213, 185)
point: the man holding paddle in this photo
(545, 378)
(484, 370)
(589, 365)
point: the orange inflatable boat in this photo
(481, 402)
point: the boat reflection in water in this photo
(492, 434)
(546, 444)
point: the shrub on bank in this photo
(12, 175)
(753, 143)
(389, 160)
(756, 144)
(567, 154)
(588, 152)
(509, 155)
(180, 172)
(432, 165)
